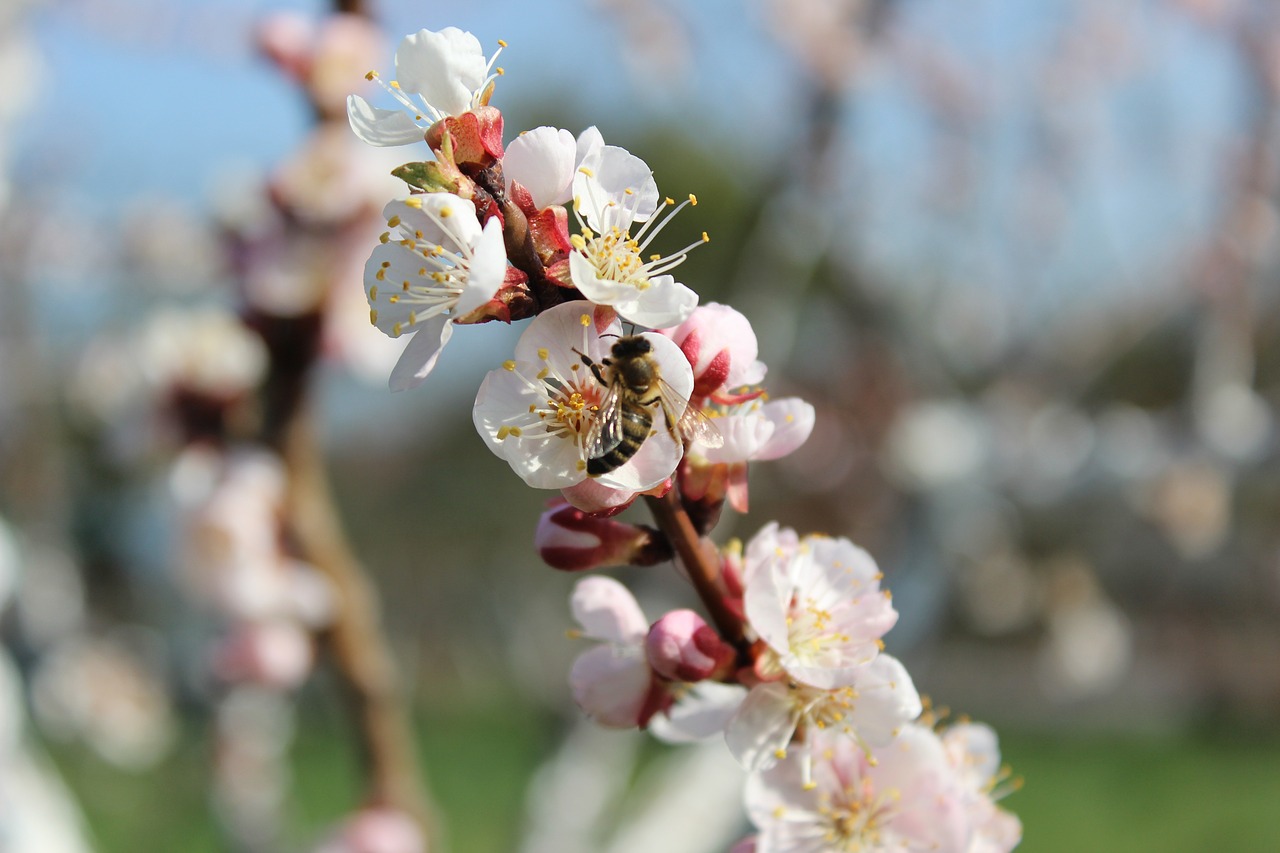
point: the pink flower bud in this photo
(573, 541)
(682, 647)
(721, 347)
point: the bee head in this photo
(632, 346)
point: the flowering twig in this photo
(699, 559)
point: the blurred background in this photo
(1020, 256)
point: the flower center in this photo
(615, 256)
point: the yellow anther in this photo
(503, 432)
(543, 353)
(501, 43)
(584, 170)
(516, 432)
(446, 212)
(394, 84)
(395, 330)
(371, 76)
(581, 466)
(373, 290)
(705, 237)
(373, 315)
(413, 318)
(393, 298)
(393, 221)
(629, 191)
(669, 200)
(384, 237)
(585, 320)
(501, 71)
(508, 365)
(380, 275)
(414, 202)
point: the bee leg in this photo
(593, 367)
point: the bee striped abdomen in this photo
(637, 423)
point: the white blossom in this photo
(612, 190)
(438, 74)
(436, 264)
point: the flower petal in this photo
(445, 67)
(542, 161)
(488, 269)
(608, 611)
(611, 686)
(420, 356)
(763, 727)
(383, 128)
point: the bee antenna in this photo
(611, 335)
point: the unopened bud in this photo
(721, 348)
(573, 541)
(474, 138)
(682, 647)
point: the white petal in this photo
(766, 597)
(608, 611)
(558, 330)
(763, 726)
(420, 356)
(654, 462)
(543, 161)
(887, 700)
(445, 67)
(589, 142)
(615, 189)
(701, 713)
(382, 128)
(793, 420)
(488, 268)
(443, 218)
(744, 433)
(664, 303)
(610, 687)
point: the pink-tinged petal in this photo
(766, 598)
(721, 346)
(745, 435)
(887, 700)
(915, 765)
(420, 356)
(746, 845)
(383, 128)
(592, 496)
(793, 420)
(445, 67)
(607, 611)
(542, 161)
(703, 711)
(761, 730)
(975, 752)
(611, 686)
(560, 329)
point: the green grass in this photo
(1083, 793)
(1090, 794)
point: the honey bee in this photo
(625, 416)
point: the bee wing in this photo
(605, 431)
(693, 424)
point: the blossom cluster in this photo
(557, 228)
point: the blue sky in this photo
(164, 96)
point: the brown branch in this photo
(700, 560)
(360, 654)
